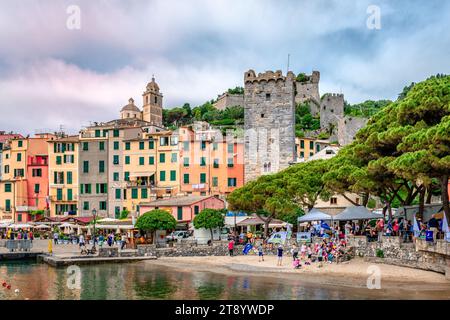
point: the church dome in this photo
(153, 86)
(130, 106)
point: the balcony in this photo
(32, 161)
(64, 199)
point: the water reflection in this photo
(147, 281)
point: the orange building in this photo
(210, 164)
(25, 178)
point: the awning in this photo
(314, 215)
(20, 226)
(356, 213)
(113, 226)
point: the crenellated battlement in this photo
(331, 95)
(250, 76)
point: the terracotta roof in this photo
(131, 106)
(176, 201)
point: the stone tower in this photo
(331, 110)
(130, 111)
(152, 109)
(308, 91)
(269, 121)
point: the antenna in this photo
(288, 63)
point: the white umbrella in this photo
(42, 226)
(89, 231)
(67, 225)
(20, 226)
(108, 220)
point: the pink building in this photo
(185, 208)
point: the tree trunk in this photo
(212, 235)
(422, 202)
(350, 200)
(365, 200)
(429, 194)
(266, 223)
(444, 196)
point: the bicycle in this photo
(86, 251)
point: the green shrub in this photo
(380, 253)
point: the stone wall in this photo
(229, 100)
(269, 122)
(308, 91)
(220, 249)
(331, 110)
(421, 255)
(348, 127)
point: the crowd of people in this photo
(20, 234)
(374, 229)
(329, 250)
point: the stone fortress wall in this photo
(229, 100)
(269, 122)
(308, 91)
(331, 110)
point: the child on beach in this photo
(303, 251)
(260, 252)
(280, 255)
(296, 263)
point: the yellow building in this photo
(151, 168)
(307, 147)
(63, 175)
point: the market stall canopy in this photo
(20, 226)
(67, 225)
(356, 213)
(254, 221)
(42, 226)
(114, 226)
(409, 212)
(107, 220)
(314, 215)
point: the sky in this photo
(52, 74)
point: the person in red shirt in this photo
(231, 247)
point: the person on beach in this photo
(303, 251)
(296, 263)
(81, 242)
(231, 247)
(294, 252)
(280, 255)
(260, 252)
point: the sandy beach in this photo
(353, 273)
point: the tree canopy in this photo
(402, 156)
(156, 220)
(209, 219)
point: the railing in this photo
(20, 245)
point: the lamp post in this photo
(94, 213)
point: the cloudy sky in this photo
(51, 75)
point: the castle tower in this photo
(130, 111)
(331, 110)
(269, 122)
(308, 91)
(152, 101)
